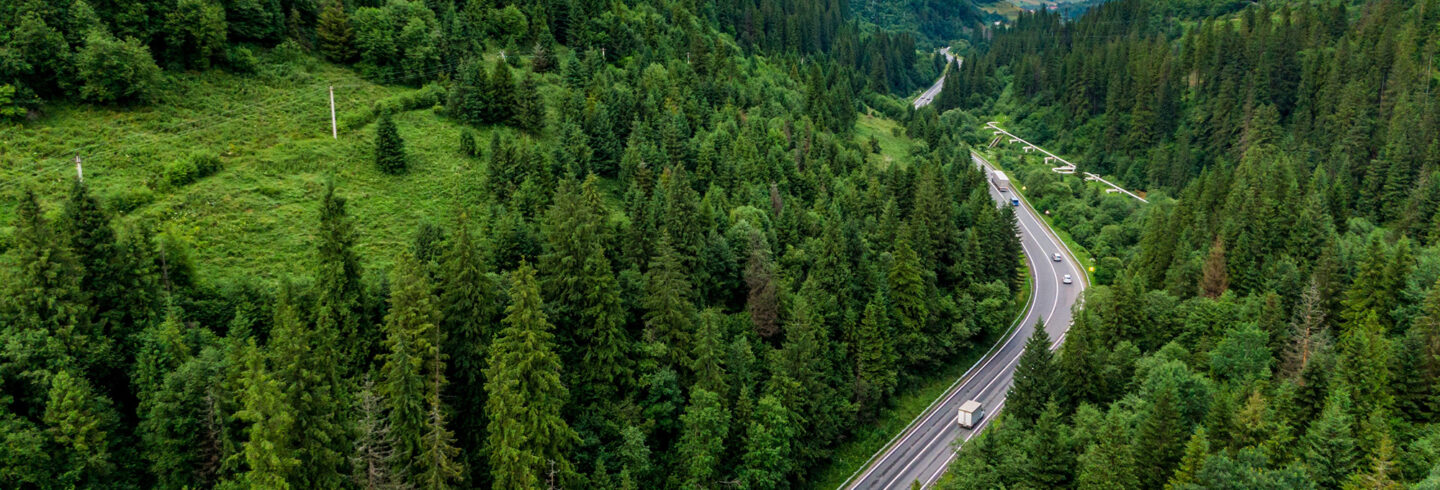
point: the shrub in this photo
(126, 200)
(111, 70)
(242, 60)
(467, 143)
(197, 166)
(389, 148)
(427, 96)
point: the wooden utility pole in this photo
(334, 131)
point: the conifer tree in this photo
(269, 452)
(876, 370)
(92, 243)
(337, 287)
(1363, 365)
(1108, 463)
(529, 107)
(702, 441)
(390, 155)
(766, 462)
(1215, 280)
(1328, 448)
(80, 420)
(527, 434)
(709, 365)
(502, 94)
(43, 300)
(411, 379)
(1158, 444)
(761, 302)
(909, 295)
(1193, 461)
(334, 32)
(372, 460)
(1035, 378)
(669, 315)
(469, 301)
(306, 362)
(1051, 457)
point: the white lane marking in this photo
(953, 454)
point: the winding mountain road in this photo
(928, 445)
(931, 93)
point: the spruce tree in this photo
(80, 422)
(411, 379)
(503, 100)
(1108, 462)
(766, 462)
(43, 301)
(269, 452)
(306, 366)
(1193, 461)
(529, 107)
(1328, 449)
(337, 285)
(1159, 443)
(335, 34)
(1051, 456)
(390, 155)
(528, 437)
(469, 299)
(669, 315)
(909, 296)
(1035, 378)
(1363, 365)
(761, 301)
(876, 370)
(702, 441)
(371, 462)
(92, 243)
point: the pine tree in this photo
(269, 453)
(306, 368)
(761, 301)
(709, 364)
(1158, 445)
(1193, 462)
(702, 442)
(669, 315)
(43, 301)
(876, 371)
(1108, 463)
(1382, 467)
(92, 243)
(79, 421)
(390, 155)
(1035, 378)
(1328, 448)
(910, 298)
(411, 379)
(1364, 365)
(335, 33)
(527, 434)
(502, 94)
(374, 445)
(529, 107)
(337, 287)
(1051, 457)
(1215, 280)
(766, 462)
(469, 300)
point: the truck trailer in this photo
(1000, 180)
(971, 412)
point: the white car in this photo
(1067, 279)
(1057, 257)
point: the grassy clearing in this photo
(910, 401)
(894, 146)
(255, 217)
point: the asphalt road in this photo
(934, 91)
(928, 445)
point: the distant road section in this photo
(934, 91)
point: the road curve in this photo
(931, 93)
(927, 446)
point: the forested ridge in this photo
(678, 266)
(1272, 318)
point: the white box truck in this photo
(971, 412)
(1001, 181)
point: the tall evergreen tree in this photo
(306, 364)
(1159, 443)
(469, 302)
(411, 379)
(768, 442)
(1036, 380)
(1108, 463)
(335, 33)
(79, 420)
(528, 437)
(337, 284)
(910, 299)
(47, 311)
(669, 314)
(702, 441)
(269, 452)
(876, 369)
(1328, 449)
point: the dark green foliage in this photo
(390, 156)
(110, 70)
(1035, 378)
(335, 33)
(528, 437)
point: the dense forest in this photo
(679, 268)
(1275, 320)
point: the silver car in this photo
(1057, 257)
(1067, 279)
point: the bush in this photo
(242, 60)
(389, 148)
(467, 143)
(126, 200)
(197, 166)
(111, 70)
(427, 96)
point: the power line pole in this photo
(334, 131)
(79, 172)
